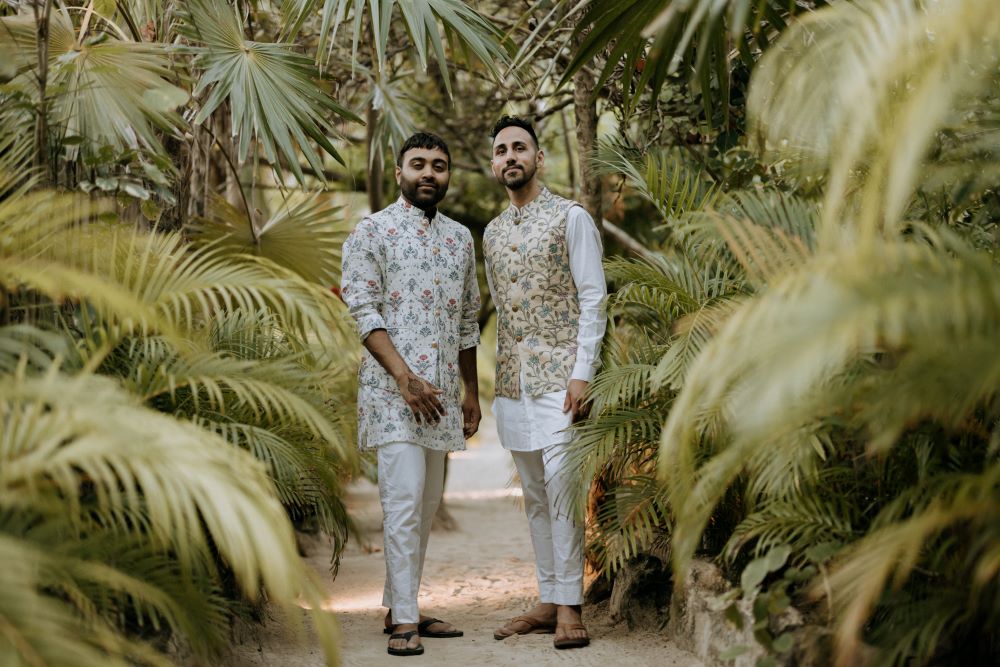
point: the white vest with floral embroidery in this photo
(538, 311)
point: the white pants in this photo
(410, 484)
(555, 536)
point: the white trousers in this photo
(410, 484)
(557, 539)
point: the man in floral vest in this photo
(409, 279)
(543, 264)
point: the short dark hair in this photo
(423, 140)
(514, 121)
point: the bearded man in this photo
(409, 280)
(543, 261)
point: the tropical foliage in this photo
(176, 375)
(810, 368)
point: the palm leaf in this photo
(429, 24)
(894, 73)
(272, 92)
(190, 485)
(107, 91)
(305, 237)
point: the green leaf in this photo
(784, 642)
(757, 569)
(734, 616)
(273, 92)
(734, 652)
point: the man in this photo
(543, 261)
(409, 279)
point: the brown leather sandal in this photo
(535, 627)
(572, 642)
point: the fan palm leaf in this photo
(305, 237)
(106, 91)
(430, 24)
(272, 92)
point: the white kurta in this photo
(531, 423)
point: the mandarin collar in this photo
(415, 213)
(543, 195)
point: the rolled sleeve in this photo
(468, 330)
(585, 254)
(362, 280)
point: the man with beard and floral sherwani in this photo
(409, 279)
(543, 265)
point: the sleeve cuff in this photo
(583, 371)
(468, 340)
(369, 323)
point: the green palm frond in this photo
(107, 92)
(35, 347)
(652, 284)
(767, 383)
(803, 521)
(272, 91)
(54, 633)
(191, 488)
(211, 381)
(186, 286)
(305, 237)
(698, 36)
(831, 94)
(660, 177)
(396, 120)
(634, 512)
(429, 25)
(620, 386)
(765, 233)
(690, 334)
(888, 555)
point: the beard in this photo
(422, 199)
(517, 179)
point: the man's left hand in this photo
(575, 401)
(471, 414)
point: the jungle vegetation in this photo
(800, 382)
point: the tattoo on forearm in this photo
(414, 385)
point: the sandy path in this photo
(475, 577)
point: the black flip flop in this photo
(424, 632)
(405, 651)
(423, 626)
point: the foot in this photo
(401, 644)
(439, 627)
(570, 632)
(540, 619)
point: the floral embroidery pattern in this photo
(537, 308)
(417, 280)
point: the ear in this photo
(540, 158)
(398, 172)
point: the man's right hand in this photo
(422, 397)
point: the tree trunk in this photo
(201, 146)
(374, 163)
(42, 78)
(585, 108)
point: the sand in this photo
(476, 577)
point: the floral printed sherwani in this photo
(415, 278)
